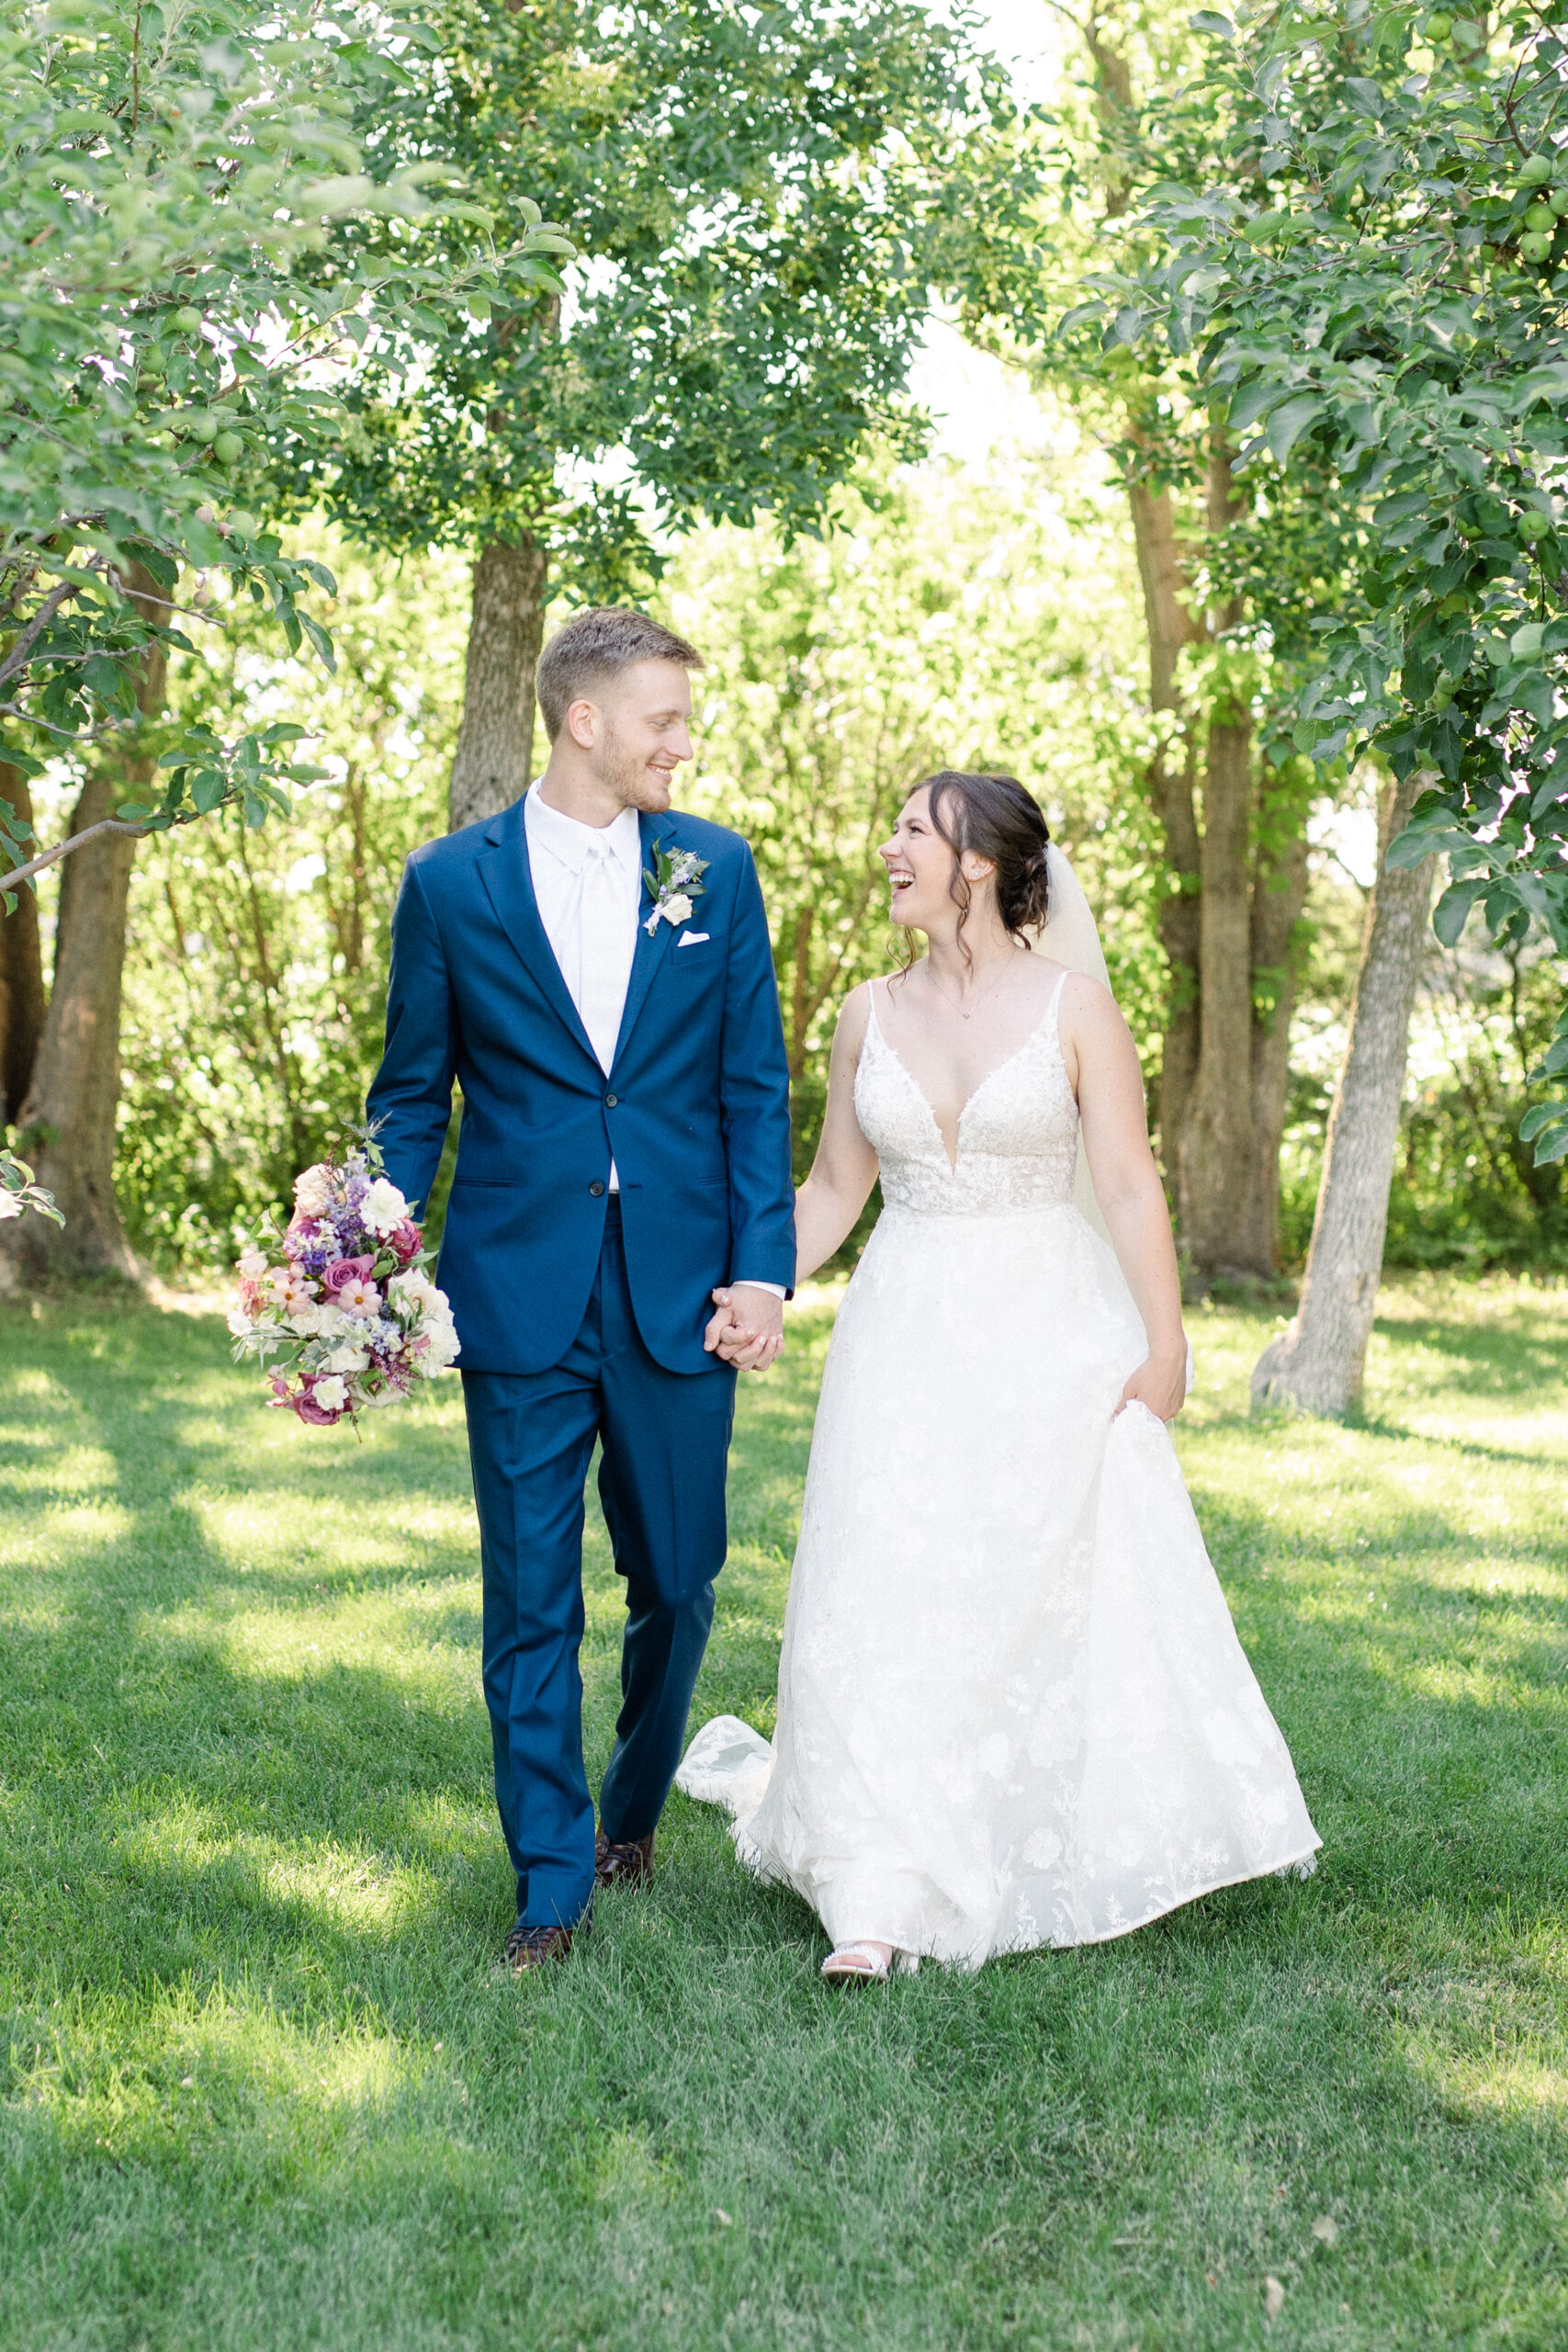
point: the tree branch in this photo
(63, 849)
(20, 653)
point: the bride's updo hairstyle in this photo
(995, 817)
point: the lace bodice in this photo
(1018, 1134)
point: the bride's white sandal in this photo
(856, 1964)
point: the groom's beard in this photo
(627, 775)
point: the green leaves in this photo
(768, 196)
(1288, 422)
(1453, 910)
(18, 1193)
(1359, 260)
(184, 254)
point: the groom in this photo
(624, 1152)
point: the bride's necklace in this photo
(978, 1001)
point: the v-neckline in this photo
(975, 1093)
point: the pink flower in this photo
(357, 1296)
(405, 1239)
(303, 1400)
(343, 1271)
(308, 1410)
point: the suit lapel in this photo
(505, 872)
(652, 950)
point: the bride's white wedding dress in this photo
(1012, 1707)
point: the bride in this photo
(1012, 1707)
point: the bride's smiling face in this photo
(919, 867)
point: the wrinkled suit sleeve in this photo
(410, 1099)
(754, 1092)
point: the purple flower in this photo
(343, 1271)
(317, 1415)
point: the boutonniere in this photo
(675, 882)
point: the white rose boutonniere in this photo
(675, 884)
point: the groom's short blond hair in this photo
(593, 646)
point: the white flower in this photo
(314, 1191)
(11, 1203)
(416, 1290)
(346, 1358)
(253, 1265)
(443, 1349)
(383, 1207)
(329, 1394)
(305, 1319)
(238, 1322)
(676, 909)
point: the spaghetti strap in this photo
(1054, 1010)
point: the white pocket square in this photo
(694, 938)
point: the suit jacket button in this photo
(596, 1188)
(611, 1100)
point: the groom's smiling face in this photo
(636, 732)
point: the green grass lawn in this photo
(262, 2085)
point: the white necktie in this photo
(606, 941)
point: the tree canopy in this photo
(178, 299)
(1360, 260)
(765, 196)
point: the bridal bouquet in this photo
(342, 1296)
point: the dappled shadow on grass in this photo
(142, 1679)
(195, 1777)
(1523, 1347)
(276, 1873)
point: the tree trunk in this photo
(1226, 926)
(1170, 625)
(68, 1116)
(1318, 1362)
(495, 744)
(1215, 1153)
(1279, 894)
(21, 974)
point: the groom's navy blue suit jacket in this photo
(695, 1109)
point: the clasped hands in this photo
(746, 1328)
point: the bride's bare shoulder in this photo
(1089, 1017)
(1082, 991)
(1078, 989)
(855, 1018)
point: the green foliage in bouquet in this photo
(342, 1295)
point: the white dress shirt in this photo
(588, 888)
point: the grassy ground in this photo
(261, 2084)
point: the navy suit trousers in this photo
(665, 1439)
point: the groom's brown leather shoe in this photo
(529, 1947)
(629, 1865)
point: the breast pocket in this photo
(697, 963)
